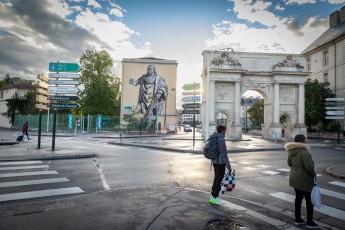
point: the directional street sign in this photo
(335, 112)
(62, 98)
(63, 90)
(191, 93)
(191, 99)
(191, 86)
(63, 82)
(191, 106)
(191, 111)
(63, 106)
(63, 67)
(334, 118)
(64, 75)
(335, 99)
(335, 108)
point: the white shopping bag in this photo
(315, 195)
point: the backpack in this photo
(20, 138)
(211, 149)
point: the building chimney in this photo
(334, 18)
(342, 14)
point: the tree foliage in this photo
(256, 112)
(20, 105)
(102, 88)
(315, 94)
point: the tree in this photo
(102, 88)
(20, 105)
(256, 112)
(315, 94)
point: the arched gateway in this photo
(279, 78)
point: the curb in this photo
(54, 157)
(8, 142)
(329, 172)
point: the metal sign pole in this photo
(194, 119)
(39, 129)
(54, 130)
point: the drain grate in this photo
(225, 225)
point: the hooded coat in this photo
(223, 154)
(302, 171)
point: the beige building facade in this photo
(325, 57)
(278, 78)
(149, 90)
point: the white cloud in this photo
(94, 4)
(336, 1)
(300, 2)
(60, 8)
(117, 12)
(256, 12)
(276, 40)
(279, 7)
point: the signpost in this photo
(63, 106)
(191, 99)
(335, 111)
(193, 86)
(62, 98)
(63, 90)
(190, 106)
(191, 111)
(63, 67)
(187, 93)
(64, 75)
(63, 82)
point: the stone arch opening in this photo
(286, 125)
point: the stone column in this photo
(237, 104)
(301, 104)
(276, 104)
(212, 103)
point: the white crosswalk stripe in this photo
(338, 183)
(327, 210)
(22, 168)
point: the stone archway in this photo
(278, 77)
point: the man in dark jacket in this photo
(219, 164)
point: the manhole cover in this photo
(225, 225)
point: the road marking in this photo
(283, 170)
(341, 184)
(244, 162)
(249, 168)
(263, 166)
(28, 173)
(31, 182)
(254, 214)
(327, 210)
(333, 194)
(41, 193)
(20, 162)
(101, 175)
(270, 172)
(25, 167)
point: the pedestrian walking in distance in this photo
(302, 174)
(26, 129)
(219, 163)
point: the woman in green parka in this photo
(301, 178)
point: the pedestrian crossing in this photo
(39, 174)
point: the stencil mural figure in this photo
(152, 92)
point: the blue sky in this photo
(35, 32)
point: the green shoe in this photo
(214, 200)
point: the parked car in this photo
(188, 128)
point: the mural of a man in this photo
(152, 92)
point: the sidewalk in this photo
(139, 207)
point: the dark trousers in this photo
(219, 170)
(26, 133)
(298, 203)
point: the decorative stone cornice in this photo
(288, 64)
(225, 59)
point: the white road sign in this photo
(64, 75)
(335, 99)
(334, 118)
(191, 99)
(63, 82)
(335, 108)
(62, 90)
(335, 112)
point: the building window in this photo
(325, 57)
(308, 64)
(325, 77)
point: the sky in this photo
(36, 32)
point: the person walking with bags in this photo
(302, 174)
(26, 129)
(219, 163)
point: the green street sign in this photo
(63, 106)
(191, 111)
(193, 86)
(127, 107)
(63, 67)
